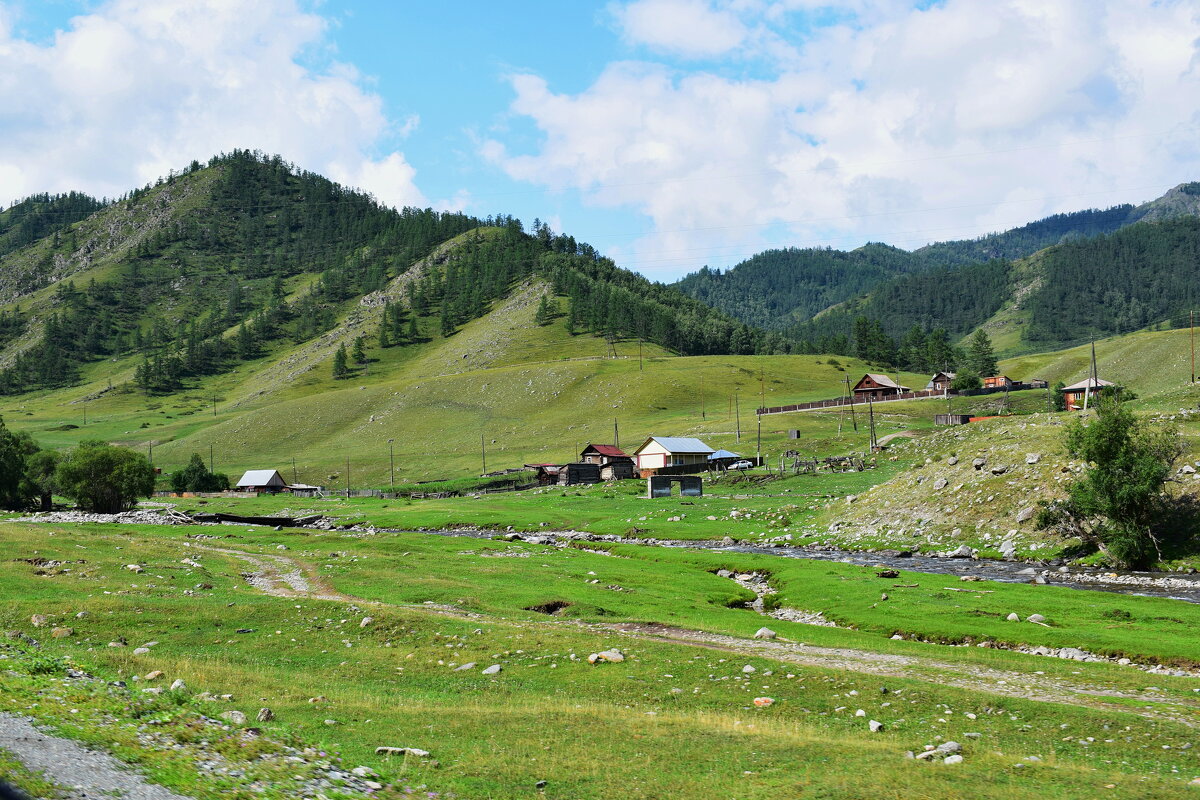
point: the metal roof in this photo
(882, 380)
(723, 454)
(678, 444)
(606, 450)
(261, 477)
(1088, 384)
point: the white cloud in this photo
(139, 87)
(904, 125)
(688, 27)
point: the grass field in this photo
(589, 731)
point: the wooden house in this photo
(565, 474)
(876, 387)
(1075, 393)
(672, 451)
(998, 382)
(615, 464)
(941, 381)
(262, 480)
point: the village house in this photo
(998, 382)
(615, 464)
(1075, 393)
(659, 452)
(876, 387)
(941, 381)
(266, 481)
(566, 474)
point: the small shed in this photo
(546, 474)
(1075, 393)
(672, 451)
(876, 387)
(262, 480)
(941, 381)
(615, 464)
(998, 382)
(577, 473)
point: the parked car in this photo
(743, 464)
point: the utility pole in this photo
(295, 479)
(85, 405)
(850, 397)
(871, 412)
(152, 452)
(639, 355)
(1192, 329)
(737, 409)
(616, 435)
(347, 476)
(210, 458)
(214, 405)
(1091, 382)
(391, 465)
(483, 450)
(762, 388)
(759, 445)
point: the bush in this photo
(966, 381)
(195, 477)
(103, 478)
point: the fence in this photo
(917, 395)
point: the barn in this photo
(262, 480)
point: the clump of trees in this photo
(1120, 505)
(196, 477)
(105, 479)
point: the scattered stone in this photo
(1032, 458)
(465, 667)
(875, 725)
(81, 615)
(963, 551)
(979, 463)
(887, 573)
(763, 702)
(1035, 618)
(178, 684)
(494, 669)
(318, 699)
(613, 656)
(62, 633)
(1026, 514)
(234, 716)
(999, 469)
(141, 651)
(363, 772)
(265, 715)
(949, 747)
(952, 460)
(764, 633)
(540, 785)
(39, 620)
(134, 568)
(401, 751)
(883, 596)
(749, 669)
(973, 735)
(331, 722)
(940, 483)
(154, 674)
(1014, 617)
(954, 759)
(366, 621)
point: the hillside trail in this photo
(286, 577)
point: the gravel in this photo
(72, 765)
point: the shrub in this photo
(103, 478)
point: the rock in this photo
(883, 596)
(465, 667)
(1008, 549)
(401, 751)
(1014, 617)
(494, 669)
(954, 759)
(265, 715)
(62, 633)
(928, 754)
(141, 651)
(39, 620)
(363, 772)
(970, 578)
(331, 722)
(875, 725)
(887, 573)
(234, 716)
(727, 541)
(749, 669)
(724, 573)
(153, 690)
(1072, 654)
(764, 633)
(540, 785)
(949, 747)
(952, 460)
(613, 656)
(178, 684)
(1032, 458)
(1035, 618)
(81, 615)
(973, 735)
(963, 551)
(860, 713)
(365, 622)
(940, 483)
(1026, 514)
(134, 568)
(979, 463)
(999, 469)
(154, 674)
(1187, 469)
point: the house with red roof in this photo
(615, 463)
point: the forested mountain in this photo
(777, 289)
(244, 256)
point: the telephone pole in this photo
(210, 458)
(391, 465)
(295, 479)
(616, 435)
(1192, 333)
(347, 476)
(871, 412)
(759, 445)
(737, 410)
(483, 450)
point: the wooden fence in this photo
(843, 401)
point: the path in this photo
(82, 772)
(272, 579)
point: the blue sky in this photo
(669, 133)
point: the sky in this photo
(669, 134)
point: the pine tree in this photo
(340, 370)
(546, 312)
(384, 341)
(414, 332)
(360, 351)
(981, 355)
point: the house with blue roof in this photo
(658, 452)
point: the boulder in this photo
(613, 656)
(234, 716)
(949, 747)
(875, 725)
(1035, 618)
(1026, 514)
(62, 633)
(1032, 458)
(952, 460)
(979, 463)
(954, 759)
(494, 669)
(1013, 618)
(963, 551)
(39, 620)
(401, 751)
(265, 715)
(764, 633)
(940, 483)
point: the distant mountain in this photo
(779, 289)
(239, 259)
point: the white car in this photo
(743, 464)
